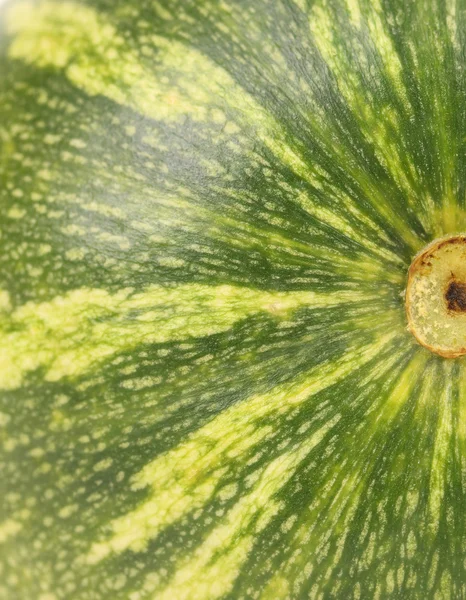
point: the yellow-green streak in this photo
(76, 332)
(186, 478)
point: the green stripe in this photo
(207, 388)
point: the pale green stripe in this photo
(442, 441)
(333, 509)
(186, 478)
(69, 36)
(376, 124)
(71, 334)
(218, 561)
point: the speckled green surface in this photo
(207, 213)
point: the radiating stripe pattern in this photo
(207, 213)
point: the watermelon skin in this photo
(207, 389)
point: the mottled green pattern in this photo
(207, 212)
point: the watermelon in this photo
(213, 382)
